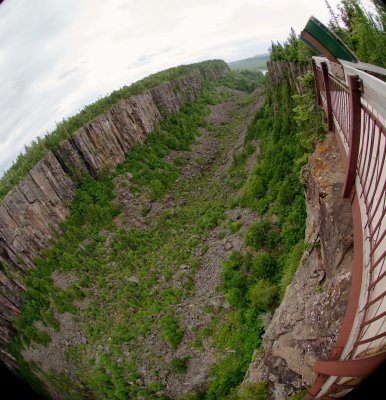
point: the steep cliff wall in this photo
(305, 326)
(32, 212)
(279, 70)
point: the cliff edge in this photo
(305, 326)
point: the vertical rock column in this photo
(29, 216)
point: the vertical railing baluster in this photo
(326, 82)
(354, 132)
(318, 88)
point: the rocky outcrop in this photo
(171, 96)
(11, 302)
(103, 142)
(304, 327)
(280, 70)
(31, 214)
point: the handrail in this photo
(356, 113)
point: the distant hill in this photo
(256, 63)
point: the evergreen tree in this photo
(362, 30)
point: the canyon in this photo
(303, 327)
(31, 213)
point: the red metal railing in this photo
(359, 125)
(371, 187)
(340, 108)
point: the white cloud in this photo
(58, 55)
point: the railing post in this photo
(326, 82)
(354, 86)
(314, 70)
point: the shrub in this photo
(254, 190)
(234, 226)
(193, 395)
(299, 395)
(179, 365)
(290, 265)
(260, 234)
(264, 266)
(212, 216)
(171, 333)
(286, 193)
(262, 294)
(155, 386)
(251, 391)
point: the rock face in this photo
(32, 212)
(103, 142)
(305, 326)
(280, 70)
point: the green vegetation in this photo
(146, 163)
(256, 63)
(286, 127)
(26, 371)
(82, 249)
(244, 80)
(234, 226)
(239, 277)
(361, 29)
(130, 281)
(273, 189)
(251, 391)
(170, 331)
(299, 395)
(66, 128)
(179, 365)
(119, 311)
(293, 50)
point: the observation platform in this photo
(353, 97)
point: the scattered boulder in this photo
(133, 279)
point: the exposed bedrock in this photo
(280, 70)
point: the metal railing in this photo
(355, 106)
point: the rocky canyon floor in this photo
(138, 307)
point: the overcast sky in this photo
(58, 55)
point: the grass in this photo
(179, 365)
(251, 391)
(299, 395)
(170, 331)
